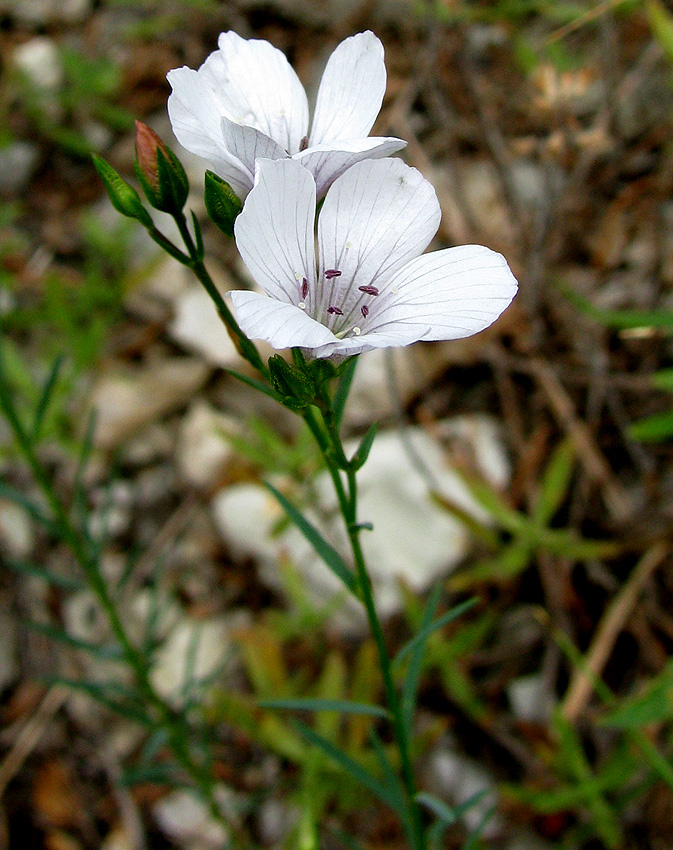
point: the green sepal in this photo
(123, 197)
(295, 386)
(222, 203)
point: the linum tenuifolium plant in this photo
(334, 284)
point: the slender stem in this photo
(165, 715)
(348, 505)
(244, 346)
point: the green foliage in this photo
(222, 204)
(528, 534)
(89, 92)
(659, 426)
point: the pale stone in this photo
(185, 819)
(414, 540)
(193, 651)
(40, 63)
(198, 327)
(18, 161)
(530, 698)
(16, 532)
(40, 12)
(455, 778)
(127, 401)
(203, 451)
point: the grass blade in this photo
(45, 398)
(324, 549)
(355, 770)
(342, 706)
(427, 630)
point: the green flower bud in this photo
(124, 197)
(160, 172)
(222, 203)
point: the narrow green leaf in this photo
(45, 398)
(343, 388)
(394, 783)
(198, 236)
(13, 495)
(555, 482)
(661, 23)
(653, 428)
(360, 457)
(622, 319)
(342, 706)
(61, 636)
(326, 551)
(354, 769)
(36, 570)
(255, 384)
(663, 379)
(415, 648)
(426, 630)
(119, 698)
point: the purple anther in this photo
(369, 290)
(303, 144)
(331, 273)
(335, 310)
(304, 287)
(364, 310)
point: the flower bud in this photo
(160, 172)
(124, 197)
(222, 203)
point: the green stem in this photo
(244, 346)
(335, 457)
(176, 727)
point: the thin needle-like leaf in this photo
(326, 551)
(342, 706)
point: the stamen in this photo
(335, 310)
(302, 305)
(364, 310)
(369, 290)
(304, 287)
(357, 331)
(303, 144)
(332, 273)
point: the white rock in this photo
(9, 668)
(16, 532)
(127, 401)
(17, 164)
(482, 435)
(39, 61)
(414, 540)
(193, 651)
(203, 450)
(530, 698)
(198, 328)
(40, 12)
(384, 376)
(455, 778)
(185, 819)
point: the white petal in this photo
(256, 86)
(274, 232)
(376, 217)
(248, 145)
(330, 160)
(281, 325)
(351, 90)
(195, 117)
(447, 294)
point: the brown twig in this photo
(612, 623)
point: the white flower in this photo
(245, 102)
(370, 288)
